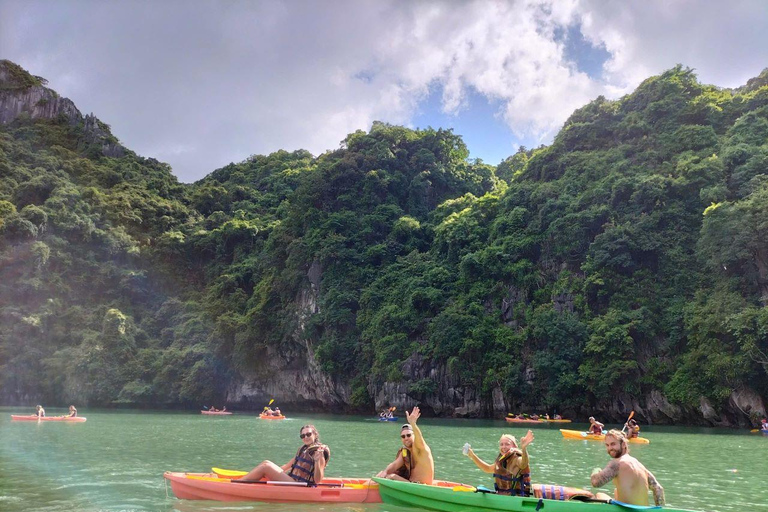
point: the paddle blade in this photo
(463, 488)
(270, 402)
(633, 507)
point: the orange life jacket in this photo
(505, 482)
(405, 469)
(303, 468)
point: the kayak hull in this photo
(215, 413)
(269, 417)
(517, 420)
(447, 500)
(393, 418)
(208, 486)
(66, 419)
(576, 434)
(214, 486)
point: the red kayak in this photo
(75, 419)
(215, 413)
(210, 486)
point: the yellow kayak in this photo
(576, 434)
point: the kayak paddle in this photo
(625, 423)
(633, 507)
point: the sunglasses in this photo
(403, 436)
(308, 434)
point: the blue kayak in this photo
(393, 418)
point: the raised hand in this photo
(526, 440)
(413, 416)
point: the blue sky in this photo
(200, 84)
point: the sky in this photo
(200, 84)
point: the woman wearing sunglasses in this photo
(308, 465)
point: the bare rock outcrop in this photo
(22, 94)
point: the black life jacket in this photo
(405, 469)
(303, 468)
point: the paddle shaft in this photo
(631, 415)
(280, 482)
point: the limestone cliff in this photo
(24, 94)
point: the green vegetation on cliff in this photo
(627, 260)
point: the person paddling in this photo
(631, 478)
(633, 429)
(414, 461)
(308, 465)
(40, 412)
(595, 427)
(511, 470)
(72, 412)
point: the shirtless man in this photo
(414, 462)
(595, 427)
(629, 476)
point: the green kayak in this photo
(455, 500)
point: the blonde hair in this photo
(511, 438)
(619, 435)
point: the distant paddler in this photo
(511, 469)
(631, 478)
(414, 461)
(633, 429)
(595, 427)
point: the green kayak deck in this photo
(448, 500)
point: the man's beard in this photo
(617, 453)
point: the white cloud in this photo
(201, 84)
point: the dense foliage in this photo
(628, 258)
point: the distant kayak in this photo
(575, 434)
(393, 418)
(526, 420)
(215, 413)
(557, 421)
(67, 419)
(270, 417)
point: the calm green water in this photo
(115, 461)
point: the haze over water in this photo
(115, 461)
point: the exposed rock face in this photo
(449, 398)
(17, 97)
(293, 376)
(22, 93)
(748, 402)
